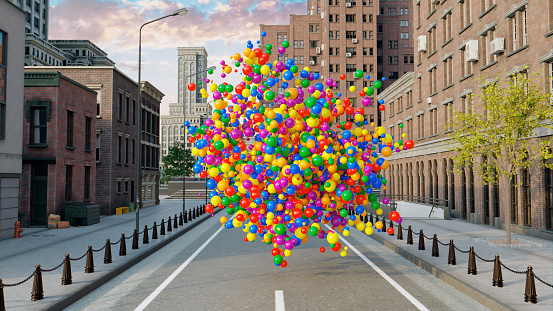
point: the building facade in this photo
(59, 137)
(117, 144)
(394, 45)
(81, 53)
(334, 38)
(12, 43)
(457, 44)
(192, 61)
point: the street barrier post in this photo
(66, 277)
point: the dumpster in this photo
(82, 214)
(131, 207)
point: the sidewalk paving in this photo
(48, 247)
(479, 287)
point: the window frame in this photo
(88, 134)
(68, 183)
(87, 184)
(70, 126)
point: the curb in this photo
(486, 300)
(94, 284)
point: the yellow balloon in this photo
(332, 237)
(251, 236)
(369, 230)
(343, 253)
(352, 88)
(223, 219)
(265, 70)
(213, 87)
(360, 226)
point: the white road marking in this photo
(161, 287)
(383, 274)
(279, 300)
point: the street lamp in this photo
(184, 146)
(180, 12)
(204, 118)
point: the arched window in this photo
(423, 182)
(446, 180)
(411, 192)
(452, 183)
(431, 180)
(486, 193)
(400, 179)
(514, 199)
(548, 198)
(471, 188)
(464, 191)
(418, 176)
(435, 178)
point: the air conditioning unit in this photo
(429, 100)
(353, 40)
(318, 50)
(497, 46)
(421, 43)
(471, 51)
(311, 62)
(348, 4)
(322, 47)
(348, 55)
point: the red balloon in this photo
(381, 107)
(342, 77)
(209, 208)
(247, 70)
(322, 249)
(191, 86)
(409, 144)
(390, 230)
(394, 216)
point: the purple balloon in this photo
(329, 82)
(281, 50)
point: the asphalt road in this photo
(213, 269)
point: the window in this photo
(3, 82)
(350, 68)
(404, 23)
(549, 198)
(97, 147)
(37, 7)
(364, 51)
(380, 28)
(432, 40)
(337, 51)
(119, 149)
(404, 35)
(351, 34)
(418, 14)
(119, 185)
(279, 36)
(447, 31)
(371, 34)
(393, 75)
(448, 71)
(350, 18)
(526, 198)
(295, 44)
(69, 126)
(364, 34)
(465, 16)
(331, 34)
(434, 122)
(331, 68)
(126, 186)
(38, 125)
(379, 59)
(420, 120)
(353, 51)
(392, 44)
(379, 44)
(127, 110)
(88, 134)
(392, 60)
(301, 44)
(301, 59)
(87, 183)
(133, 153)
(518, 31)
(318, 10)
(36, 23)
(330, 18)
(68, 182)
(133, 112)
(120, 107)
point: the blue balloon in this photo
(263, 33)
(380, 161)
(197, 168)
(346, 134)
(294, 169)
(284, 85)
(317, 109)
(319, 86)
(211, 184)
(288, 75)
(304, 74)
(253, 229)
(271, 81)
(316, 76)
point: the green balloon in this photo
(307, 172)
(270, 95)
(375, 205)
(278, 259)
(370, 91)
(269, 47)
(268, 52)
(219, 145)
(285, 44)
(305, 152)
(359, 73)
(294, 68)
(343, 212)
(210, 71)
(280, 229)
(377, 84)
(272, 141)
(347, 195)
(310, 102)
(229, 88)
(225, 201)
(305, 83)
(330, 161)
(237, 64)
(313, 231)
(372, 197)
(317, 160)
(257, 69)
(230, 211)
(364, 178)
(221, 88)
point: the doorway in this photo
(39, 195)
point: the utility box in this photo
(82, 214)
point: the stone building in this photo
(59, 137)
(12, 43)
(457, 44)
(335, 37)
(117, 134)
(192, 61)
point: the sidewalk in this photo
(48, 247)
(478, 287)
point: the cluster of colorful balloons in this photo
(276, 164)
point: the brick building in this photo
(335, 37)
(459, 42)
(116, 134)
(59, 126)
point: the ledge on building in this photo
(447, 87)
(488, 65)
(432, 54)
(524, 47)
(469, 76)
(466, 27)
(487, 11)
(445, 43)
(549, 34)
(431, 13)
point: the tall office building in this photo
(335, 37)
(461, 47)
(191, 60)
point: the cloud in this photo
(114, 25)
(203, 1)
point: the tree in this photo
(512, 113)
(173, 161)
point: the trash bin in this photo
(82, 214)
(131, 207)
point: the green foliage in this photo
(500, 129)
(173, 161)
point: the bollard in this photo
(162, 229)
(409, 236)
(497, 279)
(421, 241)
(135, 239)
(66, 278)
(38, 291)
(154, 231)
(391, 226)
(89, 267)
(530, 294)
(472, 262)
(181, 223)
(202, 209)
(366, 219)
(195, 213)
(123, 247)
(451, 257)
(377, 219)
(175, 223)
(146, 238)
(169, 228)
(18, 230)
(2, 304)
(371, 220)
(189, 215)
(435, 249)
(399, 232)
(107, 254)
(383, 224)
(184, 218)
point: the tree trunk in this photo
(505, 183)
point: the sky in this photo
(223, 27)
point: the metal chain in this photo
(416, 233)
(50, 270)
(75, 259)
(445, 244)
(99, 250)
(427, 237)
(18, 283)
(129, 237)
(544, 282)
(486, 260)
(465, 252)
(514, 271)
(112, 243)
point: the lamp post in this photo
(204, 118)
(180, 12)
(184, 145)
